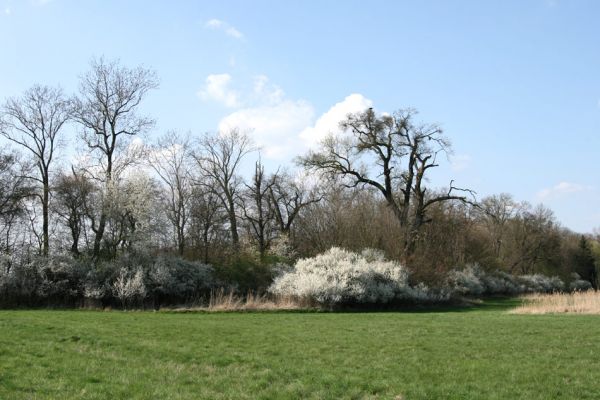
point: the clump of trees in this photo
(185, 198)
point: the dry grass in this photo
(221, 300)
(575, 303)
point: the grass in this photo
(574, 303)
(480, 353)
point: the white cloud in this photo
(217, 24)
(274, 127)
(328, 123)
(217, 89)
(460, 162)
(561, 189)
(281, 126)
(7, 11)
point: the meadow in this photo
(461, 353)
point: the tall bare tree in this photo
(391, 154)
(257, 211)
(14, 189)
(287, 197)
(218, 160)
(106, 108)
(170, 159)
(34, 121)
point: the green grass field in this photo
(480, 353)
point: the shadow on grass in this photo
(465, 306)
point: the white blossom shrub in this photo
(474, 281)
(180, 279)
(466, 282)
(341, 277)
(129, 287)
(578, 284)
(539, 283)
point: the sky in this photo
(514, 84)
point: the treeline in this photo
(124, 204)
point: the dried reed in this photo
(587, 302)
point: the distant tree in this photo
(218, 160)
(287, 197)
(393, 155)
(170, 159)
(259, 215)
(207, 217)
(585, 263)
(72, 196)
(534, 240)
(106, 108)
(496, 213)
(14, 189)
(34, 121)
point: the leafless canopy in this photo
(106, 109)
(218, 161)
(391, 154)
(33, 121)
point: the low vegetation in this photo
(587, 302)
(469, 353)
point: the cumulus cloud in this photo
(217, 24)
(561, 189)
(328, 123)
(217, 88)
(283, 127)
(274, 127)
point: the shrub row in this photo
(339, 277)
(128, 280)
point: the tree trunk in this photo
(45, 217)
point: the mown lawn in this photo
(482, 353)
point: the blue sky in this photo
(513, 83)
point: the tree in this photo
(257, 211)
(106, 108)
(496, 212)
(34, 122)
(72, 194)
(287, 197)
(393, 155)
(218, 160)
(585, 264)
(14, 189)
(206, 218)
(170, 160)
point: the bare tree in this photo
(106, 107)
(218, 160)
(391, 154)
(206, 218)
(257, 210)
(287, 197)
(170, 160)
(14, 189)
(72, 195)
(33, 121)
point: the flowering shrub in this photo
(129, 287)
(474, 281)
(176, 278)
(340, 277)
(466, 281)
(578, 284)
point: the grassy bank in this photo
(482, 352)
